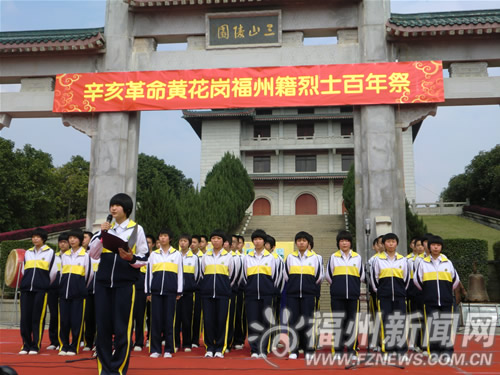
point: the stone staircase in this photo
(323, 228)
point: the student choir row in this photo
(225, 292)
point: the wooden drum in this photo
(14, 263)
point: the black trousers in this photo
(197, 319)
(436, 341)
(90, 323)
(255, 314)
(392, 314)
(215, 323)
(301, 307)
(71, 312)
(184, 320)
(240, 319)
(231, 322)
(162, 321)
(114, 308)
(139, 316)
(53, 303)
(33, 309)
(347, 331)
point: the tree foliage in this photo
(480, 183)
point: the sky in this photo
(444, 147)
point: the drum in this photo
(14, 263)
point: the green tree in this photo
(480, 182)
(73, 178)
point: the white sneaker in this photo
(411, 348)
(194, 346)
(32, 352)
(263, 355)
(187, 350)
(137, 349)
(209, 355)
(337, 357)
(227, 351)
(82, 344)
(254, 355)
(147, 344)
(57, 347)
(62, 353)
(301, 351)
(86, 349)
(167, 355)
(219, 355)
(51, 347)
(163, 342)
(154, 355)
(23, 352)
(309, 356)
(445, 359)
(238, 347)
(70, 353)
(292, 356)
(354, 358)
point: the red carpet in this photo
(49, 363)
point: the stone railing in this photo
(438, 208)
(297, 142)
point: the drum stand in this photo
(15, 297)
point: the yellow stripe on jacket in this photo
(165, 266)
(212, 269)
(304, 270)
(391, 272)
(254, 270)
(346, 270)
(441, 275)
(77, 270)
(42, 264)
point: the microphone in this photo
(109, 219)
(367, 226)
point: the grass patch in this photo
(451, 226)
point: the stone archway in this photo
(306, 204)
(261, 207)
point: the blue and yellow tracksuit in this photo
(90, 322)
(140, 308)
(115, 296)
(217, 273)
(344, 273)
(302, 273)
(185, 305)
(197, 312)
(39, 271)
(437, 278)
(240, 319)
(390, 278)
(76, 276)
(164, 282)
(260, 278)
(233, 300)
(53, 304)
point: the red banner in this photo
(284, 86)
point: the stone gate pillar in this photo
(379, 183)
(115, 145)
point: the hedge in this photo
(496, 255)
(5, 248)
(483, 211)
(463, 252)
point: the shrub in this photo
(483, 211)
(463, 252)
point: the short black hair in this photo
(76, 232)
(375, 240)
(124, 200)
(303, 235)
(390, 236)
(63, 237)
(40, 232)
(196, 237)
(88, 233)
(259, 233)
(167, 231)
(151, 237)
(437, 240)
(426, 237)
(187, 237)
(240, 237)
(311, 241)
(271, 241)
(344, 235)
(203, 236)
(218, 233)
